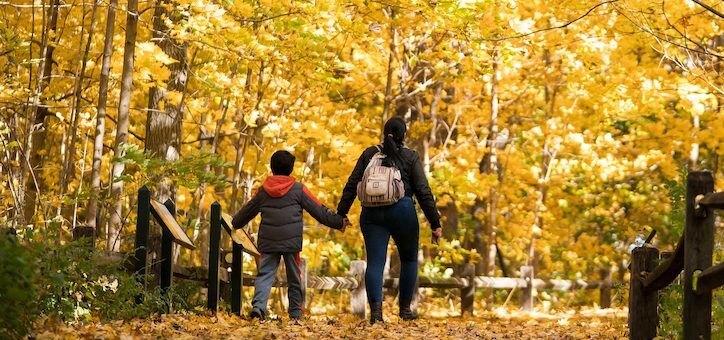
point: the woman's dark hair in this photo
(394, 136)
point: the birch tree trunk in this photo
(113, 237)
(92, 208)
(68, 172)
(492, 168)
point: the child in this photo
(280, 201)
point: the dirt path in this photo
(588, 325)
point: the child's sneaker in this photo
(257, 313)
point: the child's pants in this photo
(265, 279)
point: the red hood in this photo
(278, 186)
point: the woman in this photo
(398, 220)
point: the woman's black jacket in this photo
(413, 176)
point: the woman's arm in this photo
(350, 189)
(423, 193)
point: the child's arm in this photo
(247, 212)
(320, 213)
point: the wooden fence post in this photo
(303, 283)
(85, 233)
(415, 303)
(467, 293)
(143, 218)
(605, 290)
(237, 281)
(526, 294)
(358, 296)
(212, 296)
(167, 252)
(643, 317)
(698, 251)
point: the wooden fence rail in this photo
(693, 256)
(354, 282)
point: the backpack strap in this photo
(379, 151)
(394, 161)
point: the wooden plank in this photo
(643, 317)
(212, 297)
(163, 216)
(142, 227)
(526, 294)
(166, 259)
(358, 295)
(604, 292)
(240, 236)
(499, 282)
(438, 282)
(566, 285)
(713, 200)
(329, 283)
(668, 270)
(698, 251)
(709, 279)
(198, 273)
(237, 270)
(467, 293)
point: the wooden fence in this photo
(230, 271)
(354, 282)
(693, 255)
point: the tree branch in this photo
(553, 27)
(709, 8)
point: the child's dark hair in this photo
(282, 163)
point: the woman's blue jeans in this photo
(378, 224)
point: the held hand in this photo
(345, 224)
(435, 236)
(437, 232)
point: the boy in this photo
(281, 200)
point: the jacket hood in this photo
(278, 186)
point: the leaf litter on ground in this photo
(590, 324)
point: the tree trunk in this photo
(36, 121)
(68, 166)
(547, 156)
(694, 154)
(491, 225)
(92, 208)
(113, 237)
(388, 85)
(201, 232)
(163, 126)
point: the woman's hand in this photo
(435, 236)
(345, 224)
(437, 232)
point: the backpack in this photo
(380, 185)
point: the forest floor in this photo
(602, 324)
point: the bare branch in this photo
(709, 8)
(552, 27)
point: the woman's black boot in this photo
(376, 312)
(406, 312)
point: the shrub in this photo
(70, 283)
(17, 288)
